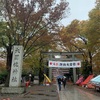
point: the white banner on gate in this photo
(69, 64)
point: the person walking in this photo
(59, 83)
(64, 81)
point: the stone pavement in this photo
(73, 92)
(35, 92)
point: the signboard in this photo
(70, 64)
(16, 68)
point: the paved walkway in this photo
(73, 92)
(35, 92)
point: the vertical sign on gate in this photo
(16, 67)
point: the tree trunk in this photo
(41, 76)
(8, 64)
(90, 56)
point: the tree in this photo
(68, 36)
(90, 34)
(84, 36)
(27, 22)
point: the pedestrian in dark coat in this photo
(64, 81)
(59, 83)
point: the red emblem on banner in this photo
(50, 63)
(78, 64)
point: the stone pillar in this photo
(16, 68)
(50, 69)
(16, 71)
(74, 71)
(50, 73)
(74, 75)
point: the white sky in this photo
(79, 9)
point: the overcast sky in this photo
(79, 9)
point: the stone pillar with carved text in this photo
(16, 68)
